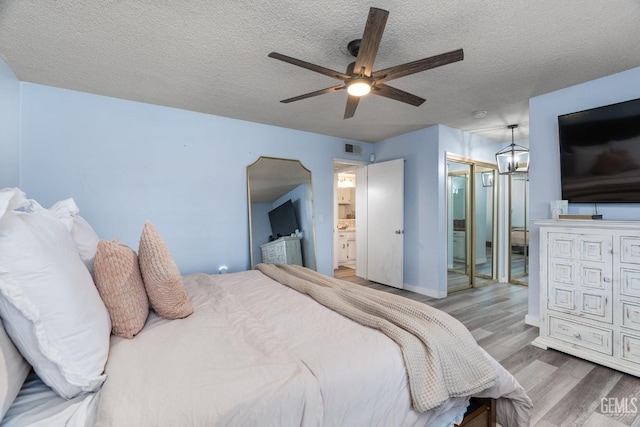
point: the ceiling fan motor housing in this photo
(354, 47)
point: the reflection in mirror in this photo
(484, 225)
(457, 225)
(273, 221)
(519, 231)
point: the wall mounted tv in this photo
(283, 220)
(600, 154)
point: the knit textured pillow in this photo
(161, 276)
(119, 282)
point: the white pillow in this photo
(13, 371)
(83, 234)
(49, 304)
(12, 198)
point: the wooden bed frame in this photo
(481, 413)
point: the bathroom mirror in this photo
(271, 183)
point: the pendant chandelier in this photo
(513, 159)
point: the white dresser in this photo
(590, 291)
(285, 250)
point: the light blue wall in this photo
(545, 158)
(424, 151)
(9, 128)
(125, 162)
(419, 149)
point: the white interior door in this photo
(385, 228)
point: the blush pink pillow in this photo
(161, 276)
(119, 282)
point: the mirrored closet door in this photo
(485, 267)
(458, 208)
(471, 223)
(519, 229)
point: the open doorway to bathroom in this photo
(346, 226)
(346, 208)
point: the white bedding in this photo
(37, 405)
(258, 353)
(331, 344)
(360, 370)
(254, 353)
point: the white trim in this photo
(427, 292)
(362, 256)
(532, 320)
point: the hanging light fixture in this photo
(513, 159)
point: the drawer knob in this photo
(577, 335)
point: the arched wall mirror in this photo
(273, 220)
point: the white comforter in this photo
(255, 352)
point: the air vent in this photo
(353, 149)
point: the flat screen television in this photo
(600, 154)
(283, 220)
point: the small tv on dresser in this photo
(283, 220)
(600, 154)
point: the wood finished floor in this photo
(565, 390)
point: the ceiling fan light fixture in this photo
(359, 87)
(360, 78)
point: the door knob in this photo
(399, 231)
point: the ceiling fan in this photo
(360, 79)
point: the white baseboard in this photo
(532, 320)
(427, 292)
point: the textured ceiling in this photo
(211, 56)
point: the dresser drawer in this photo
(630, 348)
(582, 335)
(631, 316)
(630, 250)
(630, 282)
(273, 255)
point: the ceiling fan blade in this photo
(397, 94)
(418, 66)
(316, 93)
(352, 104)
(309, 66)
(370, 41)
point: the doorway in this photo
(471, 223)
(346, 223)
(378, 216)
(349, 207)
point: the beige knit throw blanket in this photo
(441, 356)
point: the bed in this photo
(255, 351)
(519, 240)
